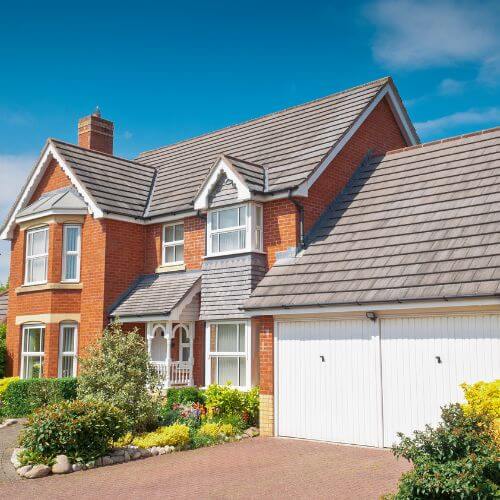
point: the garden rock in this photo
(37, 471)
(162, 451)
(107, 461)
(118, 452)
(154, 451)
(98, 462)
(77, 467)
(252, 432)
(90, 465)
(24, 469)
(118, 459)
(126, 456)
(135, 455)
(15, 457)
(62, 465)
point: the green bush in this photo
(117, 369)
(177, 435)
(22, 397)
(3, 348)
(4, 383)
(183, 396)
(457, 459)
(82, 430)
(226, 401)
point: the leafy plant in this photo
(117, 369)
(82, 430)
(457, 459)
(4, 383)
(225, 401)
(187, 414)
(22, 397)
(177, 435)
(183, 396)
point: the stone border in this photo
(120, 455)
(9, 421)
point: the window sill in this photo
(232, 252)
(48, 286)
(168, 268)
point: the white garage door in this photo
(360, 382)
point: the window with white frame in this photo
(228, 354)
(235, 229)
(32, 356)
(37, 254)
(68, 345)
(173, 243)
(72, 234)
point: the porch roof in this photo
(156, 294)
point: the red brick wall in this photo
(199, 354)
(265, 331)
(53, 178)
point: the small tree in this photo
(117, 369)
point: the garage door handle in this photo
(322, 359)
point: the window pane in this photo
(185, 354)
(214, 221)
(229, 241)
(67, 368)
(227, 339)
(258, 216)
(34, 340)
(242, 239)
(33, 366)
(72, 238)
(215, 242)
(39, 242)
(169, 234)
(243, 214)
(228, 371)
(70, 269)
(241, 339)
(184, 336)
(169, 254)
(179, 253)
(38, 270)
(228, 218)
(179, 232)
(68, 343)
(243, 372)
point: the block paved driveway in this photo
(253, 468)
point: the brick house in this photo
(319, 252)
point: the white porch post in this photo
(191, 333)
(149, 336)
(168, 359)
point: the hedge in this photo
(22, 397)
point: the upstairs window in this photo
(71, 252)
(173, 244)
(235, 229)
(37, 254)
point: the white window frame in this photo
(32, 354)
(73, 353)
(247, 355)
(77, 252)
(182, 345)
(173, 243)
(44, 255)
(254, 230)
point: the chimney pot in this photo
(96, 133)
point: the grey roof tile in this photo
(395, 234)
(60, 200)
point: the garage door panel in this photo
(321, 399)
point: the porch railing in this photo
(174, 373)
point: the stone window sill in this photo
(169, 268)
(48, 286)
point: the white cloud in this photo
(484, 118)
(413, 34)
(13, 172)
(490, 70)
(449, 86)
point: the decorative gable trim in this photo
(402, 119)
(221, 166)
(49, 153)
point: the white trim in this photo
(74, 353)
(172, 244)
(222, 165)
(33, 354)
(276, 377)
(44, 255)
(49, 153)
(77, 252)
(176, 311)
(395, 306)
(401, 119)
(141, 319)
(53, 211)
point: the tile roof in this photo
(289, 144)
(254, 175)
(155, 294)
(60, 200)
(4, 299)
(418, 223)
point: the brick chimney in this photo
(96, 133)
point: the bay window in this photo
(68, 343)
(71, 252)
(228, 354)
(32, 356)
(173, 244)
(235, 229)
(37, 254)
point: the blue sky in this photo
(165, 71)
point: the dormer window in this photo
(235, 229)
(173, 244)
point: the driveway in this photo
(254, 468)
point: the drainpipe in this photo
(300, 209)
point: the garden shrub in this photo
(82, 430)
(483, 400)
(184, 396)
(117, 369)
(176, 435)
(3, 348)
(226, 401)
(4, 383)
(22, 397)
(214, 429)
(457, 459)
(187, 414)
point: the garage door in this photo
(360, 382)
